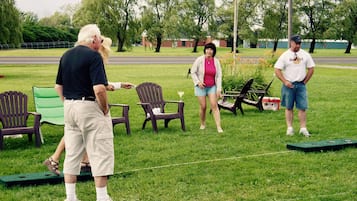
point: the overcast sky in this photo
(43, 8)
(46, 8)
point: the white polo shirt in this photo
(294, 64)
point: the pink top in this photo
(210, 72)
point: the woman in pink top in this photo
(206, 74)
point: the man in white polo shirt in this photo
(294, 68)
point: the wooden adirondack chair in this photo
(124, 118)
(238, 99)
(259, 94)
(153, 103)
(14, 116)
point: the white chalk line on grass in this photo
(235, 158)
(338, 67)
(203, 161)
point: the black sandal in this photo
(52, 165)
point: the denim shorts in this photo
(205, 91)
(296, 95)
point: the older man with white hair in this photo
(81, 82)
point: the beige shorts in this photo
(88, 129)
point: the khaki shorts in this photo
(87, 128)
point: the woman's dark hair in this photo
(211, 46)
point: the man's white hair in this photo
(87, 33)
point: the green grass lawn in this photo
(249, 161)
(165, 51)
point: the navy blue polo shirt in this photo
(80, 68)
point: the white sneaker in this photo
(202, 127)
(219, 130)
(304, 132)
(290, 131)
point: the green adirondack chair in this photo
(49, 105)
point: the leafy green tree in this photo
(224, 22)
(10, 23)
(172, 25)
(318, 15)
(195, 17)
(344, 25)
(116, 18)
(275, 20)
(224, 19)
(248, 20)
(119, 19)
(87, 13)
(58, 20)
(29, 18)
(156, 19)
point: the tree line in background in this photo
(125, 21)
